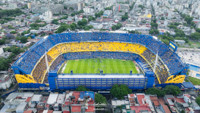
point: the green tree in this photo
(154, 25)
(179, 33)
(14, 49)
(13, 32)
(154, 32)
(73, 14)
(195, 36)
(62, 28)
(125, 17)
(90, 18)
(131, 7)
(182, 111)
(162, 18)
(134, 32)
(4, 64)
(81, 88)
(23, 39)
(198, 100)
(100, 99)
(87, 27)
(172, 26)
(155, 91)
(71, 8)
(10, 13)
(2, 41)
(198, 30)
(83, 22)
(10, 27)
(109, 8)
(120, 91)
(116, 27)
(98, 14)
(171, 89)
(64, 17)
(73, 26)
(55, 21)
(141, 6)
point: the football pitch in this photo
(94, 66)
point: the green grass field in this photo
(92, 66)
(195, 81)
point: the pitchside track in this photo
(93, 66)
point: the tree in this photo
(141, 6)
(55, 21)
(179, 33)
(87, 27)
(10, 13)
(90, 18)
(198, 30)
(100, 99)
(120, 91)
(71, 8)
(195, 36)
(13, 32)
(155, 91)
(182, 111)
(154, 25)
(171, 89)
(62, 28)
(162, 18)
(198, 100)
(73, 26)
(109, 8)
(134, 32)
(64, 17)
(23, 39)
(10, 27)
(14, 49)
(81, 88)
(98, 14)
(116, 27)
(83, 22)
(2, 41)
(153, 31)
(125, 17)
(131, 7)
(4, 64)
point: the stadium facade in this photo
(39, 66)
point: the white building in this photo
(5, 80)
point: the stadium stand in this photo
(57, 45)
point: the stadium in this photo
(98, 60)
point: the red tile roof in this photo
(187, 95)
(76, 109)
(28, 99)
(140, 97)
(77, 95)
(28, 111)
(137, 109)
(180, 100)
(166, 109)
(155, 101)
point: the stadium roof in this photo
(188, 85)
